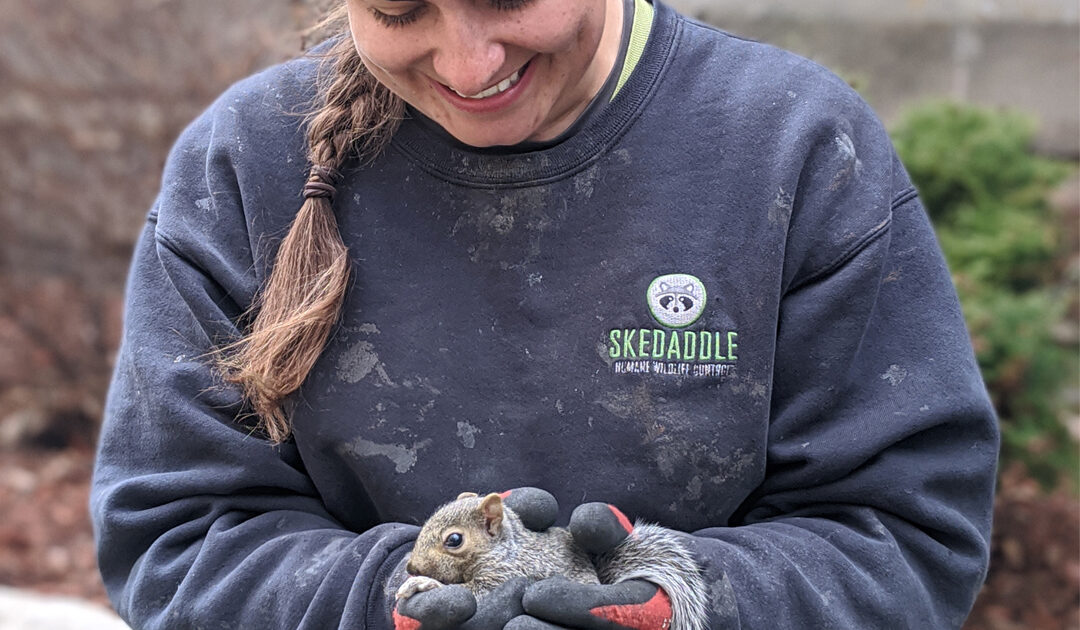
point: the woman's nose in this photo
(467, 58)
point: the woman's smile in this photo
(492, 99)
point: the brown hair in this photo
(354, 118)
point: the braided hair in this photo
(353, 119)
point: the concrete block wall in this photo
(1022, 54)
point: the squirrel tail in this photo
(656, 554)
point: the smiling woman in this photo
(587, 245)
(491, 73)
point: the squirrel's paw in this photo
(416, 584)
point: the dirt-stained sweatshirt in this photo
(718, 305)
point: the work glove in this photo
(453, 606)
(560, 603)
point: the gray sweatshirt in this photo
(718, 306)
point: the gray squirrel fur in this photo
(655, 554)
(497, 547)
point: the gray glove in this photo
(630, 605)
(453, 607)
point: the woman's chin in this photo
(490, 137)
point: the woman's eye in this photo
(408, 17)
(397, 19)
(453, 541)
(509, 5)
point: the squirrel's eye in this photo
(453, 541)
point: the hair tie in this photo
(321, 183)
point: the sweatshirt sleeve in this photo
(199, 523)
(876, 503)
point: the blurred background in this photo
(982, 98)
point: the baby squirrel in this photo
(480, 543)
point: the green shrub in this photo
(965, 155)
(998, 245)
(986, 193)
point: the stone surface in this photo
(1022, 54)
(894, 11)
(23, 610)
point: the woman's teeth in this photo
(498, 88)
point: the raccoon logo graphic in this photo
(676, 300)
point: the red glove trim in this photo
(654, 614)
(623, 521)
(401, 622)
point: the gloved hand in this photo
(537, 508)
(634, 604)
(453, 606)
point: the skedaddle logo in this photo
(676, 301)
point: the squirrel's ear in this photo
(466, 495)
(492, 509)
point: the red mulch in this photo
(1034, 581)
(45, 538)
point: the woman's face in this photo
(491, 72)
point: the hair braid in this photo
(297, 309)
